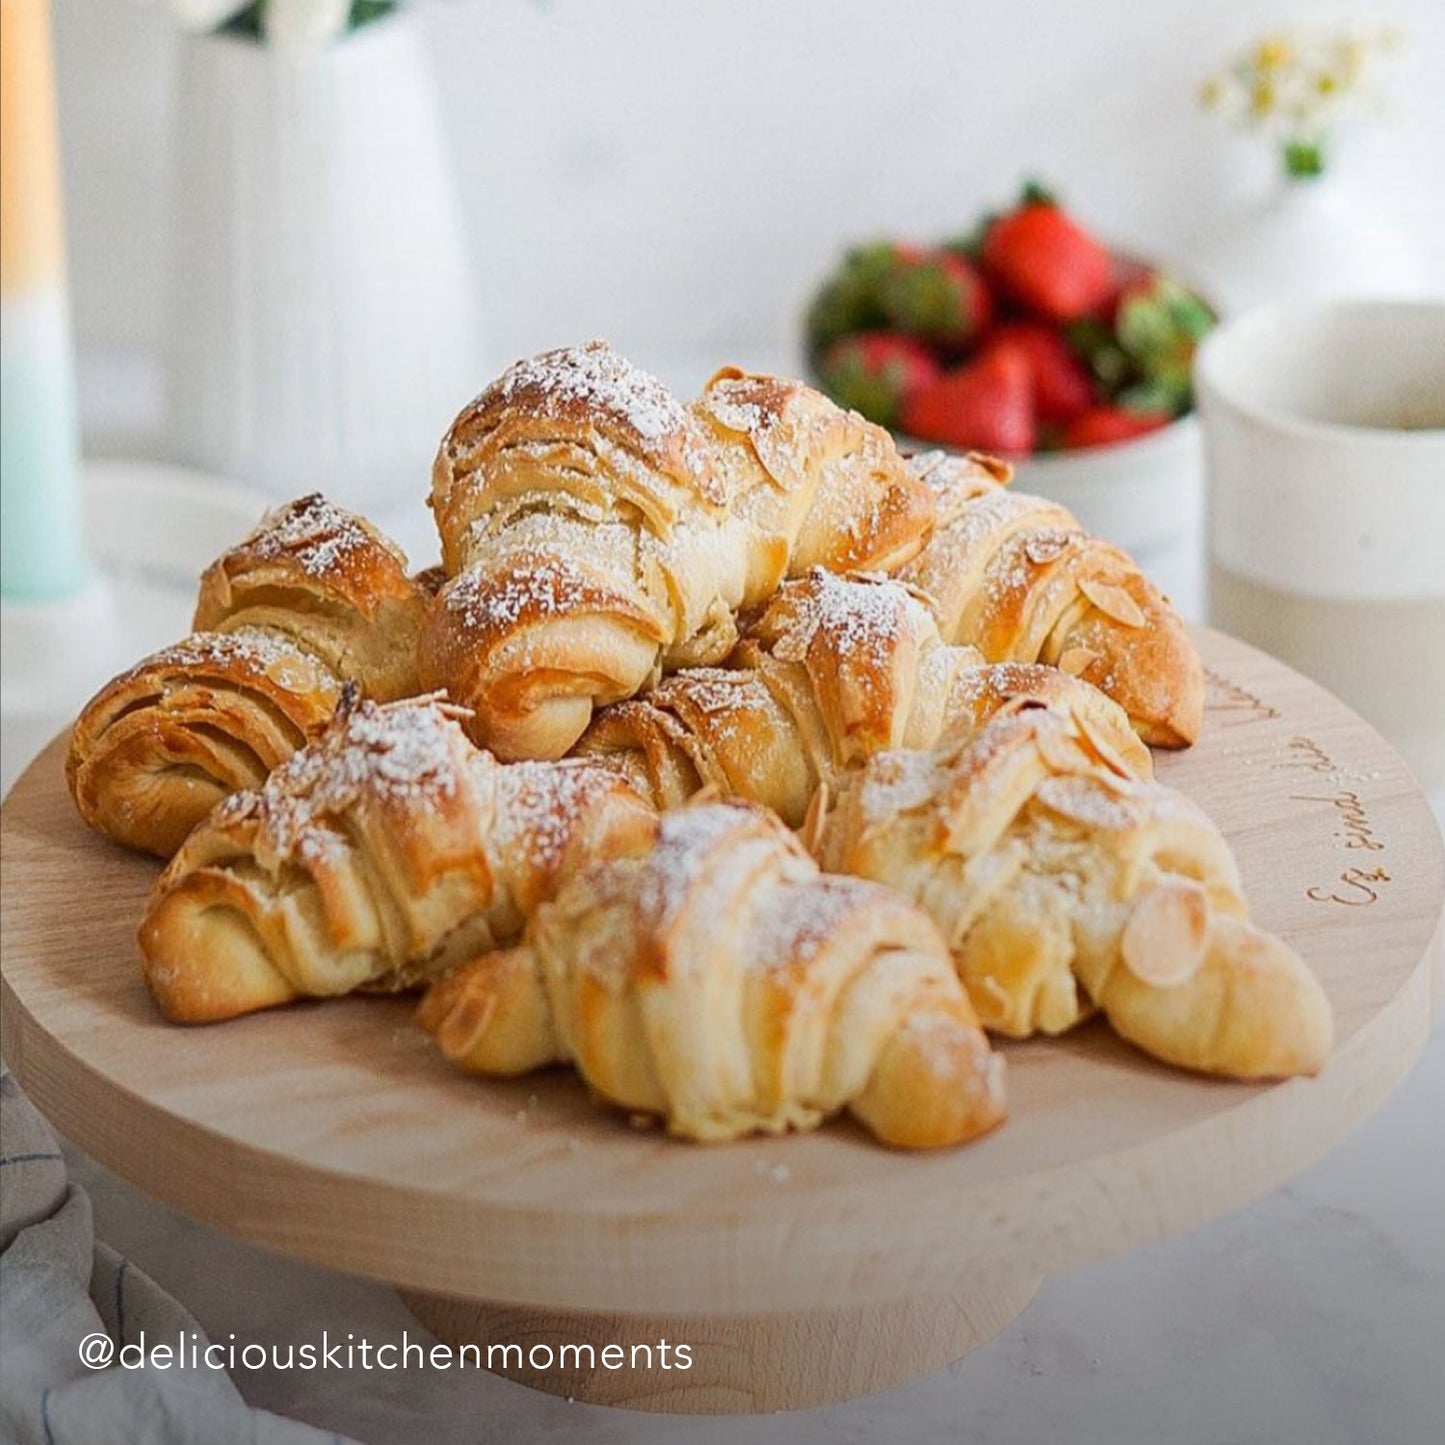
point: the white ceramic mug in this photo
(1325, 444)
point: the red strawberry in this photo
(938, 296)
(1103, 426)
(1062, 384)
(876, 372)
(986, 405)
(1046, 261)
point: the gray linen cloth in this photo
(58, 1285)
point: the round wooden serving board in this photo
(798, 1269)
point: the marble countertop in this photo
(1312, 1317)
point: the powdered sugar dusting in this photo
(1086, 801)
(408, 752)
(546, 586)
(860, 618)
(596, 377)
(541, 807)
(248, 646)
(316, 534)
(688, 837)
(710, 690)
(899, 782)
(737, 402)
(799, 921)
(957, 482)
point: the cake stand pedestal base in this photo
(740, 1364)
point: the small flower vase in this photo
(323, 326)
(1312, 237)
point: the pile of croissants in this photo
(752, 769)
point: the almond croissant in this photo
(820, 993)
(1018, 578)
(380, 854)
(314, 597)
(834, 670)
(1063, 885)
(598, 531)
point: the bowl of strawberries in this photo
(1032, 339)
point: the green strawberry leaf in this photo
(1096, 346)
(1160, 326)
(1036, 193)
(1171, 394)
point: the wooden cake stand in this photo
(796, 1270)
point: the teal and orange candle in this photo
(41, 549)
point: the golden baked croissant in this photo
(1018, 578)
(315, 596)
(598, 531)
(1062, 885)
(834, 670)
(820, 993)
(381, 853)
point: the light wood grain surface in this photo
(334, 1132)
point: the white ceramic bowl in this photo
(1141, 494)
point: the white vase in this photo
(323, 327)
(1312, 238)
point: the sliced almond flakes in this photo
(1076, 661)
(1165, 940)
(1044, 547)
(1112, 600)
(1061, 750)
(1101, 743)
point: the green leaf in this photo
(247, 22)
(1160, 328)
(1172, 394)
(244, 22)
(1304, 159)
(1036, 193)
(1098, 348)
(363, 12)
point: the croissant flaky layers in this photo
(378, 855)
(832, 671)
(1063, 885)
(1017, 577)
(598, 531)
(313, 598)
(820, 994)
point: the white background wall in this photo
(673, 174)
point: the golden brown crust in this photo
(832, 671)
(379, 855)
(822, 994)
(599, 532)
(330, 581)
(855, 506)
(580, 421)
(1017, 577)
(161, 744)
(1062, 884)
(313, 598)
(430, 580)
(311, 544)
